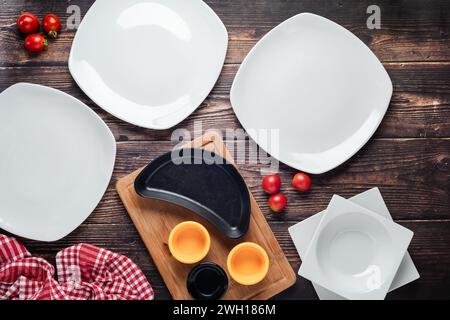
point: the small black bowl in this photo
(207, 281)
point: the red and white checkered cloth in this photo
(85, 272)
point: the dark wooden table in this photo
(408, 158)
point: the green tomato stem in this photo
(53, 34)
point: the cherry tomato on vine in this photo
(27, 23)
(278, 202)
(302, 182)
(271, 184)
(35, 43)
(51, 25)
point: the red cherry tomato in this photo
(27, 23)
(271, 184)
(35, 43)
(302, 182)
(278, 202)
(51, 25)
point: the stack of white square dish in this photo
(354, 250)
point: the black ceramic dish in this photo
(207, 281)
(204, 183)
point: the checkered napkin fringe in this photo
(84, 272)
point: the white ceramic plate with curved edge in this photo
(355, 252)
(319, 85)
(149, 62)
(303, 232)
(57, 158)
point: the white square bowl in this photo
(319, 85)
(355, 252)
(149, 62)
(303, 232)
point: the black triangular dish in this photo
(202, 182)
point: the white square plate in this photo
(355, 252)
(302, 233)
(149, 62)
(57, 158)
(319, 85)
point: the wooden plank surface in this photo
(413, 183)
(420, 105)
(416, 30)
(408, 158)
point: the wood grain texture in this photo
(413, 176)
(416, 31)
(408, 158)
(420, 106)
(155, 219)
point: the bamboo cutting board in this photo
(155, 219)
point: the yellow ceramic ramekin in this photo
(189, 242)
(248, 263)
